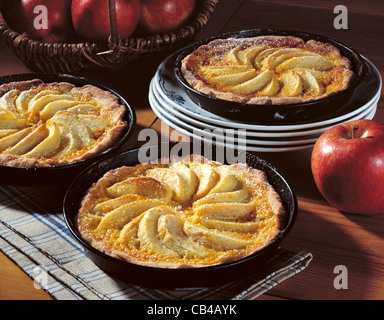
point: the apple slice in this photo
(172, 235)
(75, 125)
(292, 84)
(39, 104)
(238, 196)
(247, 57)
(148, 236)
(72, 143)
(264, 54)
(188, 180)
(129, 233)
(239, 227)
(8, 120)
(227, 181)
(207, 177)
(310, 83)
(231, 56)
(215, 239)
(306, 62)
(180, 179)
(24, 98)
(211, 72)
(143, 186)
(7, 132)
(224, 211)
(39, 95)
(278, 57)
(30, 141)
(84, 108)
(49, 145)
(8, 101)
(109, 205)
(253, 85)
(168, 178)
(13, 139)
(234, 79)
(271, 89)
(95, 124)
(118, 218)
(53, 107)
(321, 76)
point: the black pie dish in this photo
(362, 89)
(162, 277)
(63, 173)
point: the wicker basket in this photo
(74, 57)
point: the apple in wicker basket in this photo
(44, 20)
(348, 166)
(91, 18)
(161, 16)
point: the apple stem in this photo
(354, 131)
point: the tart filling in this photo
(49, 124)
(267, 70)
(190, 212)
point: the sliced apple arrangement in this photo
(289, 72)
(58, 123)
(186, 213)
(88, 20)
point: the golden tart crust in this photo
(51, 124)
(267, 70)
(180, 213)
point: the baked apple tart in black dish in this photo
(52, 126)
(179, 221)
(273, 77)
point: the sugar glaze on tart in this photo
(267, 70)
(50, 124)
(186, 212)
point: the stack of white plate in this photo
(172, 104)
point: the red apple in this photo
(160, 16)
(91, 18)
(44, 20)
(348, 166)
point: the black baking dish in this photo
(361, 90)
(64, 173)
(161, 277)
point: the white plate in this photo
(230, 138)
(176, 96)
(291, 135)
(226, 134)
(218, 142)
(229, 141)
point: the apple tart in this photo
(187, 212)
(50, 124)
(267, 70)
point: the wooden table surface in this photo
(334, 238)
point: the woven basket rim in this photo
(76, 56)
(208, 8)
